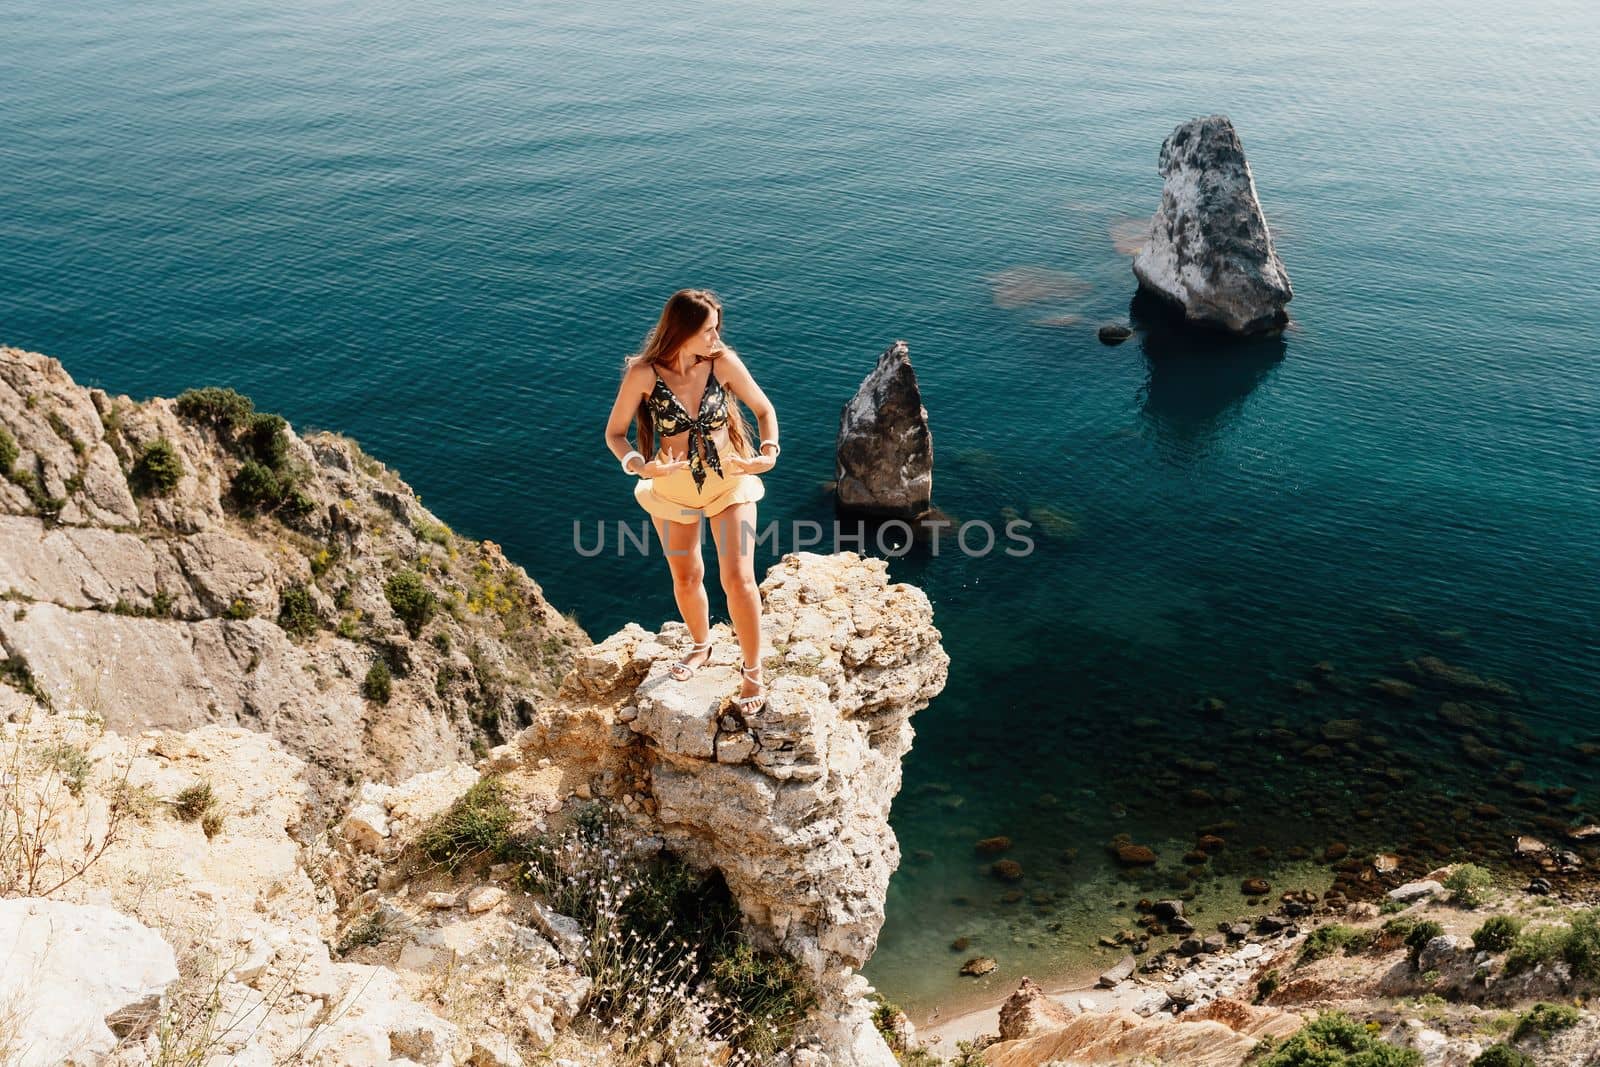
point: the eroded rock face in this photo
(793, 808)
(885, 452)
(160, 610)
(1210, 252)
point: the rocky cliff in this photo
(247, 676)
(173, 563)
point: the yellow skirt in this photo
(676, 498)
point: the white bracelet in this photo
(630, 455)
(774, 444)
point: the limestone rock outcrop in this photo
(884, 450)
(1030, 1011)
(76, 979)
(175, 605)
(1209, 252)
(792, 806)
(214, 921)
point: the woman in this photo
(705, 467)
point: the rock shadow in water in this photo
(1198, 379)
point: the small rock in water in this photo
(1121, 972)
(1114, 333)
(990, 846)
(1134, 855)
(1007, 870)
(978, 966)
(1167, 909)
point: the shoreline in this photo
(1076, 969)
(977, 1015)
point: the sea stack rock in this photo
(885, 452)
(1209, 251)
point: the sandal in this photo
(684, 671)
(755, 701)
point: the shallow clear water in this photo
(440, 228)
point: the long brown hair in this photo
(684, 316)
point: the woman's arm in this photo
(737, 377)
(629, 394)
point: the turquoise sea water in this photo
(440, 228)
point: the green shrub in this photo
(884, 1014)
(475, 825)
(1582, 949)
(48, 507)
(324, 559)
(1419, 936)
(1469, 885)
(1544, 1019)
(1497, 933)
(968, 1054)
(1540, 945)
(240, 609)
(8, 452)
(194, 801)
(256, 487)
(223, 408)
(436, 532)
(1334, 937)
(411, 600)
(1503, 1056)
(1267, 985)
(158, 469)
(266, 481)
(71, 762)
(1334, 1039)
(377, 685)
(297, 612)
(263, 436)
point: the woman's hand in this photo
(759, 463)
(665, 463)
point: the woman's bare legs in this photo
(737, 568)
(681, 542)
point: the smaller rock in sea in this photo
(1113, 333)
(978, 966)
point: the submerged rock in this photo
(1210, 252)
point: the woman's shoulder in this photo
(639, 374)
(727, 357)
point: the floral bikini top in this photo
(671, 418)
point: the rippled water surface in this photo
(440, 228)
